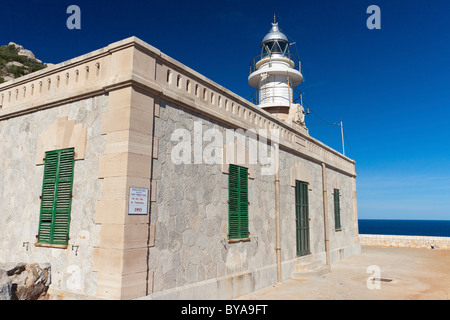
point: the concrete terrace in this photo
(415, 274)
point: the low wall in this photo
(440, 243)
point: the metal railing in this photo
(287, 56)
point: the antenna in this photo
(341, 123)
(342, 134)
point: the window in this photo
(284, 47)
(188, 86)
(56, 198)
(238, 203)
(337, 210)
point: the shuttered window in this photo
(337, 210)
(238, 203)
(56, 198)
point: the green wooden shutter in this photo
(56, 197)
(243, 202)
(233, 202)
(47, 197)
(238, 202)
(302, 218)
(337, 210)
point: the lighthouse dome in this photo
(275, 42)
(275, 34)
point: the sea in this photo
(431, 228)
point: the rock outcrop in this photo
(5, 286)
(16, 61)
(21, 281)
(24, 52)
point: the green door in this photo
(302, 218)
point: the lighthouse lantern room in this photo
(275, 73)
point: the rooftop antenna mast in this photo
(342, 134)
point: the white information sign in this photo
(138, 201)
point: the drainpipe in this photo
(277, 213)
(325, 213)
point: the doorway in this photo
(302, 218)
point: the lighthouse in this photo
(275, 73)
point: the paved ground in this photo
(415, 274)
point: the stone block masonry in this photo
(377, 240)
(118, 107)
(192, 255)
(21, 186)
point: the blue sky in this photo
(391, 86)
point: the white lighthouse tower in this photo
(275, 73)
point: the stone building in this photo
(97, 179)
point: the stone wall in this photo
(21, 186)
(190, 214)
(439, 243)
(129, 98)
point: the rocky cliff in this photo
(16, 61)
